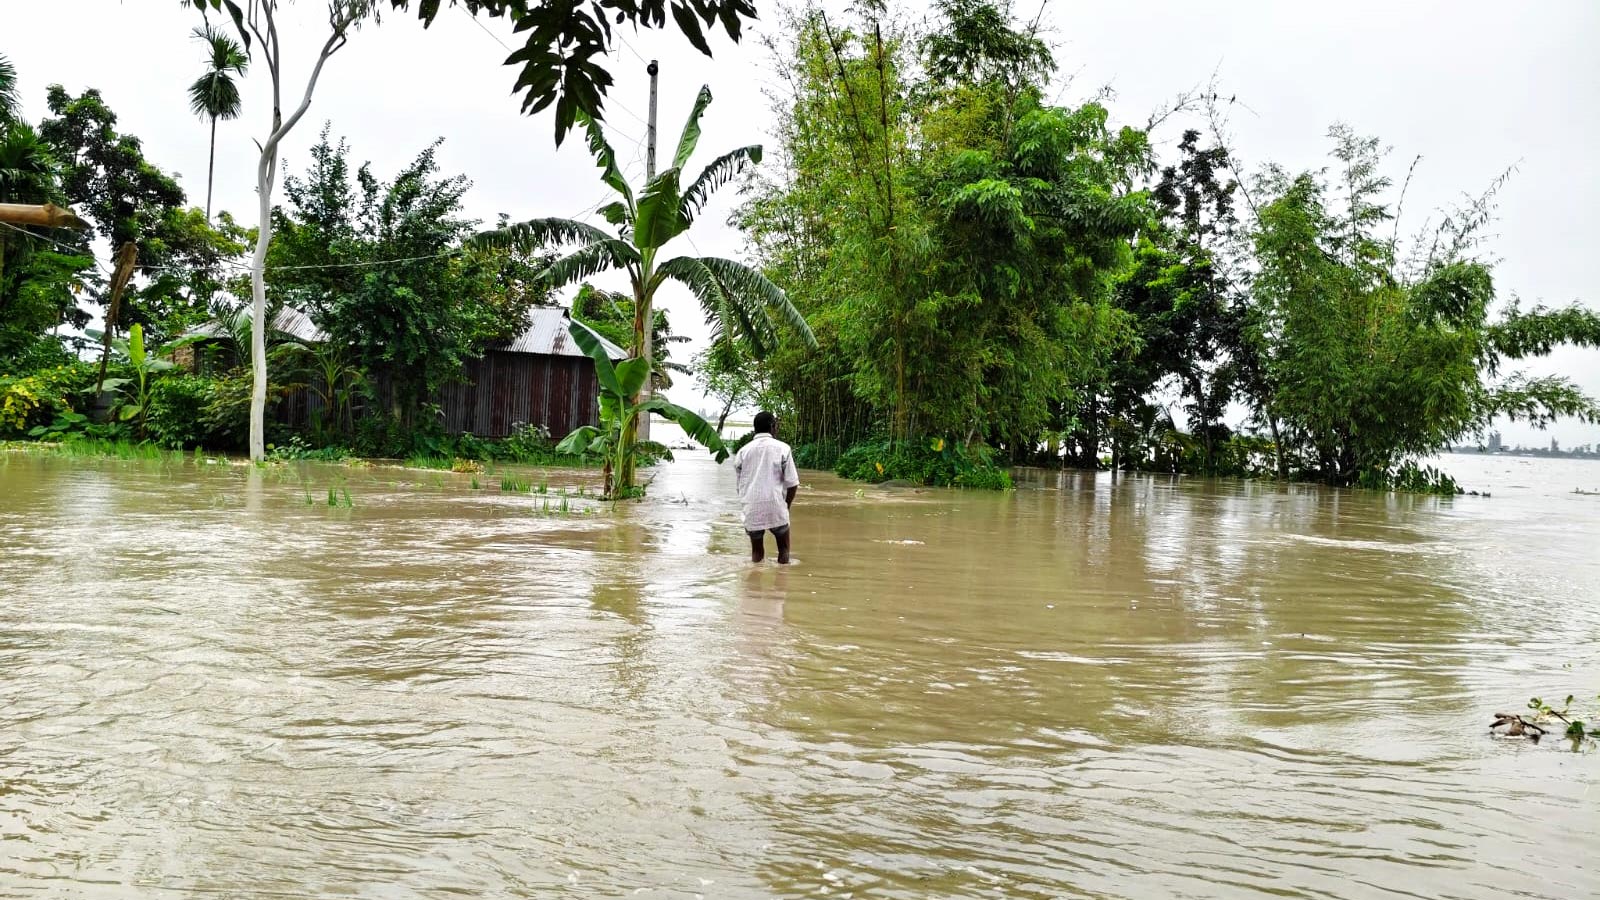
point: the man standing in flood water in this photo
(767, 481)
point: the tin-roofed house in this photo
(541, 378)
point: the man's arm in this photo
(791, 480)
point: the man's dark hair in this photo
(765, 422)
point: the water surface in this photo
(1093, 687)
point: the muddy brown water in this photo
(1092, 687)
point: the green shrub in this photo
(527, 441)
(177, 413)
(1408, 477)
(931, 461)
(38, 399)
(816, 455)
(226, 417)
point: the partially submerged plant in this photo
(613, 440)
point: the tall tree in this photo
(38, 286)
(107, 179)
(1378, 357)
(10, 100)
(215, 95)
(1181, 296)
(379, 266)
(257, 25)
(958, 263)
(739, 302)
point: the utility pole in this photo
(649, 314)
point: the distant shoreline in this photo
(1525, 454)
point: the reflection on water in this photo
(1094, 687)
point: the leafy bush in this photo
(44, 352)
(933, 461)
(38, 399)
(382, 436)
(295, 447)
(177, 413)
(1408, 477)
(527, 441)
(226, 418)
(817, 455)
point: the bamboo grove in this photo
(992, 275)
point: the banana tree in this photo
(143, 366)
(739, 302)
(619, 386)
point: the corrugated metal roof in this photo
(547, 334)
(297, 325)
(292, 322)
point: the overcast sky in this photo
(1471, 87)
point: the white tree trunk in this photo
(341, 18)
(258, 304)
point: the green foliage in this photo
(180, 412)
(1375, 361)
(739, 302)
(620, 409)
(952, 238)
(562, 43)
(929, 461)
(1579, 732)
(412, 321)
(1408, 477)
(36, 400)
(215, 95)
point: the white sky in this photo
(1471, 86)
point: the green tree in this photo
(739, 302)
(1183, 300)
(1377, 359)
(379, 265)
(620, 410)
(10, 99)
(107, 180)
(958, 263)
(215, 95)
(256, 22)
(38, 284)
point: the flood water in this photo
(212, 683)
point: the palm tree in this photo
(27, 168)
(739, 302)
(214, 95)
(10, 103)
(27, 172)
